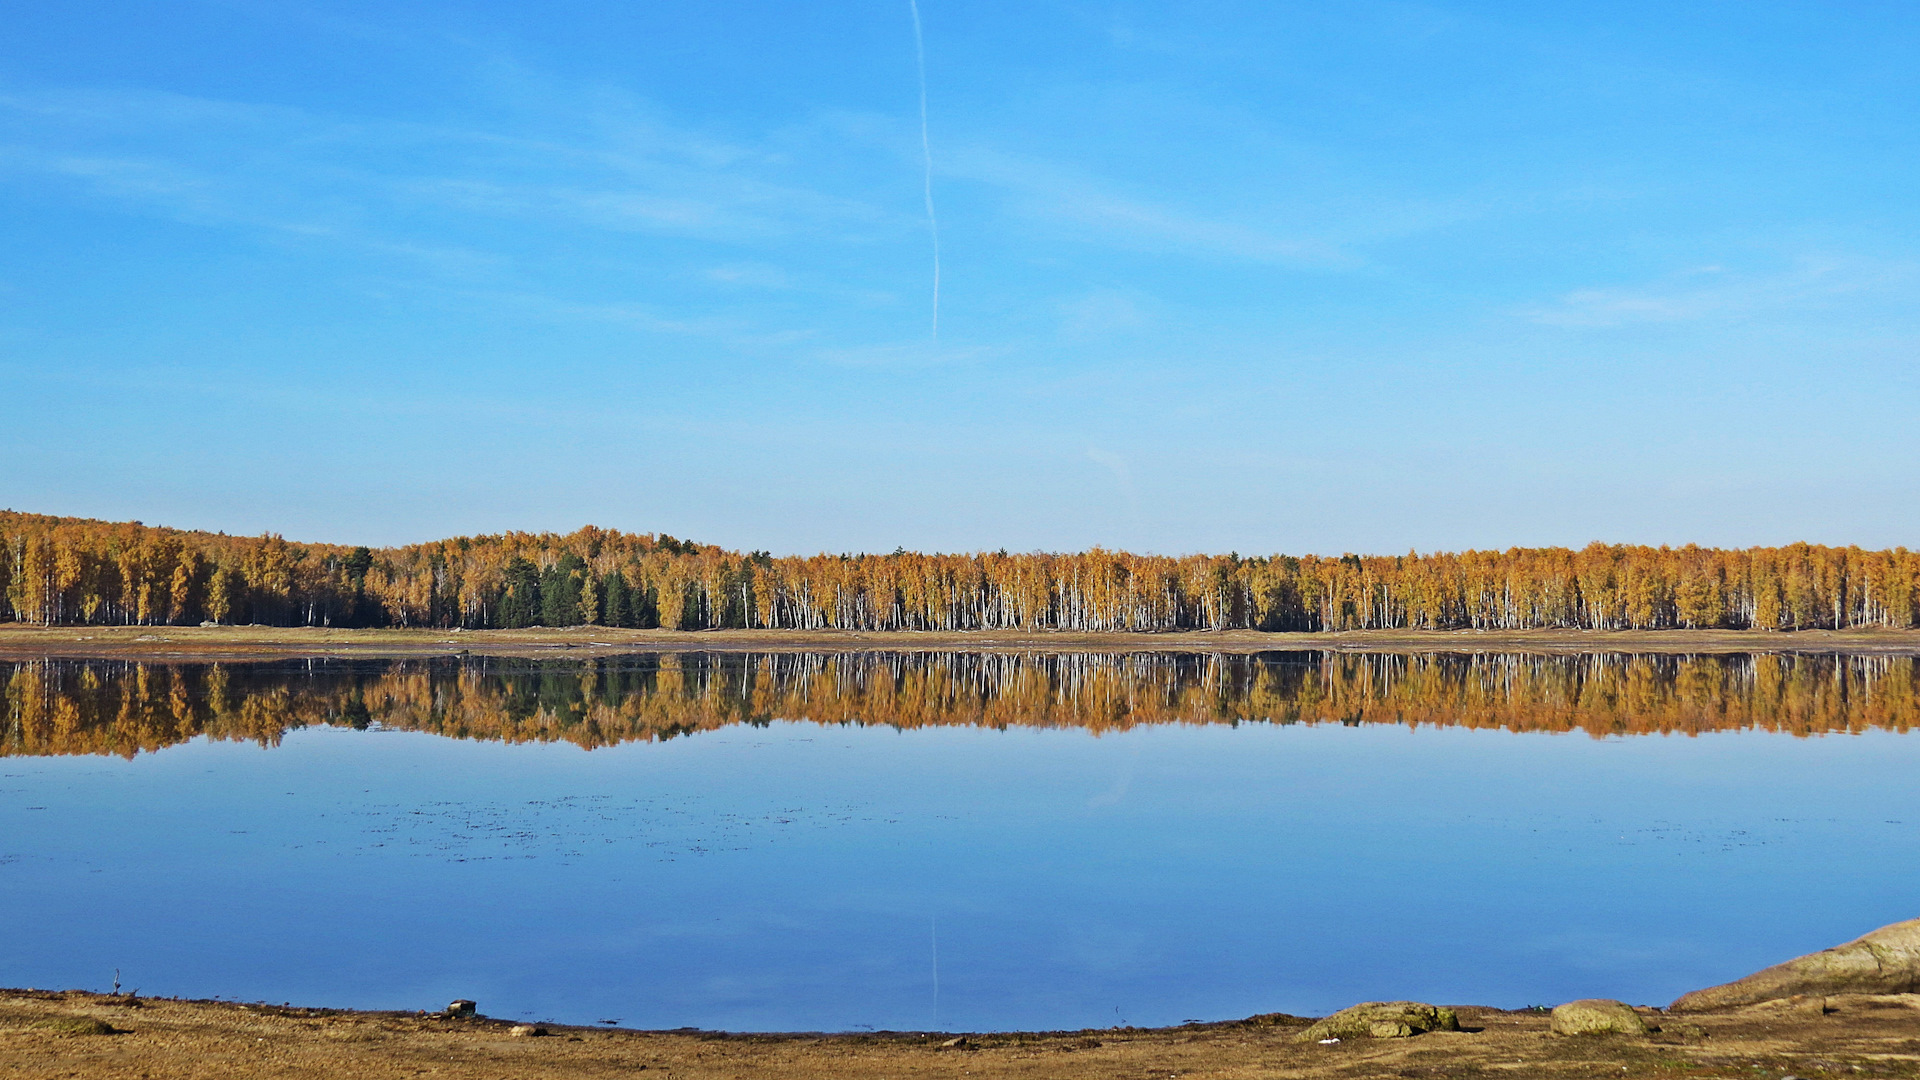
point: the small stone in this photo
(960, 1043)
(1597, 1016)
(462, 1007)
(526, 1031)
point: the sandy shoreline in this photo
(164, 1038)
(241, 643)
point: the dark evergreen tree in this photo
(613, 600)
(520, 600)
(560, 591)
(359, 612)
(356, 564)
(641, 608)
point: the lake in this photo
(966, 842)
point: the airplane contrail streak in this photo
(926, 158)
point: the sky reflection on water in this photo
(803, 876)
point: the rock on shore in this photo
(1886, 961)
(1597, 1016)
(1382, 1020)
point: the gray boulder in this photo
(1886, 961)
(1597, 1016)
(1382, 1020)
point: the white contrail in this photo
(926, 157)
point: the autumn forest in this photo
(76, 571)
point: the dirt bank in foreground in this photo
(158, 1039)
(236, 643)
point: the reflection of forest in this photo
(94, 707)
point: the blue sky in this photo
(1259, 277)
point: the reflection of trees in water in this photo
(100, 707)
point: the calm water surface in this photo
(961, 843)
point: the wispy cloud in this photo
(136, 179)
(907, 355)
(621, 169)
(202, 197)
(735, 330)
(586, 158)
(1059, 193)
(1705, 293)
(1100, 313)
(1715, 292)
(750, 275)
(476, 209)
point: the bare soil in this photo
(160, 1038)
(182, 643)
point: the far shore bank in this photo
(244, 643)
(78, 1034)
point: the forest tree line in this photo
(70, 571)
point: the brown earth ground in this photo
(156, 1039)
(178, 643)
